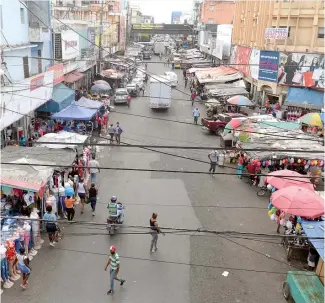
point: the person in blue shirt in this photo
(50, 226)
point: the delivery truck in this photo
(160, 92)
(159, 48)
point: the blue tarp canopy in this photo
(309, 98)
(75, 112)
(84, 102)
(315, 229)
(62, 97)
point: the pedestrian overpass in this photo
(171, 29)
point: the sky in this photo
(162, 10)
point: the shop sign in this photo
(91, 37)
(36, 82)
(268, 67)
(254, 61)
(301, 69)
(147, 26)
(70, 45)
(276, 33)
(240, 56)
(58, 73)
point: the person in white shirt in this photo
(196, 115)
(213, 157)
(94, 169)
(9, 133)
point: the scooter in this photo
(114, 221)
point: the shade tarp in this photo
(219, 74)
(62, 97)
(73, 77)
(75, 112)
(84, 102)
(315, 229)
(62, 137)
(228, 91)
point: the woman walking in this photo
(23, 266)
(154, 231)
(82, 194)
(69, 204)
(93, 192)
(240, 165)
(50, 226)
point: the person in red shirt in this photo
(240, 165)
(100, 122)
(251, 168)
(105, 117)
(129, 100)
(193, 96)
(80, 170)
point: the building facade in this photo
(217, 12)
(279, 46)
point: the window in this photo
(211, 8)
(210, 21)
(22, 16)
(289, 27)
(320, 33)
(26, 67)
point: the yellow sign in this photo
(147, 26)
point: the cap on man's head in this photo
(112, 248)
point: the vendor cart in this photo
(303, 287)
(295, 248)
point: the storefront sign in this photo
(299, 69)
(58, 73)
(91, 37)
(254, 61)
(36, 82)
(147, 26)
(268, 67)
(276, 33)
(70, 45)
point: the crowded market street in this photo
(188, 267)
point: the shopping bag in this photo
(308, 79)
(87, 200)
(77, 200)
(317, 74)
(297, 77)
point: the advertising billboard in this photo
(176, 17)
(58, 70)
(240, 57)
(70, 45)
(276, 33)
(254, 61)
(268, 66)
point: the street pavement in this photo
(188, 267)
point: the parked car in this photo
(217, 123)
(121, 96)
(138, 81)
(146, 55)
(133, 89)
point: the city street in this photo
(188, 267)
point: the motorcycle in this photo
(115, 219)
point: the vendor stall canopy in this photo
(88, 103)
(219, 74)
(73, 139)
(315, 229)
(62, 97)
(75, 112)
(30, 177)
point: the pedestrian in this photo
(154, 231)
(114, 263)
(9, 133)
(213, 157)
(100, 122)
(240, 165)
(105, 118)
(69, 205)
(111, 132)
(184, 73)
(23, 266)
(143, 91)
(118, 132)
(185, 82)
(94, 169)
(50, 226)
(196, 115)
(193, 96)
(93, 192)
(82, 191)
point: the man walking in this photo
(196, 115)
(185, 82)
(213, 157)
(111, 132)
(94, 169)
(114, 262)
(118, 132)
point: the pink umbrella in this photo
(291, 178)
(298, 201)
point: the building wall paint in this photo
(222, 13)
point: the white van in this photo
(160, 93)
(172, 78)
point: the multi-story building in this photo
(135, 16)
(25, 83)
(280, 45)
(217, 12)
(147, 19)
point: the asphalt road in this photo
(187, 267)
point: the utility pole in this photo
(100, 52)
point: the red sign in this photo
(36, 82)
(241, 59)
(58, 73)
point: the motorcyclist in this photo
(116, 210)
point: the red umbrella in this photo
(291, 178)
(298, 201)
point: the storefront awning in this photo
(305, 97)
(73, 77)
(62, 97)
(315, 229)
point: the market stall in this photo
(75, 112)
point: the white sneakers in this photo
(52, 244)
(8, 284)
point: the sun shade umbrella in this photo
(312, 119)
(298, 201)
(233, 124)
(100, 88)
(102, 82)
(291, 178)
(239, 100)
